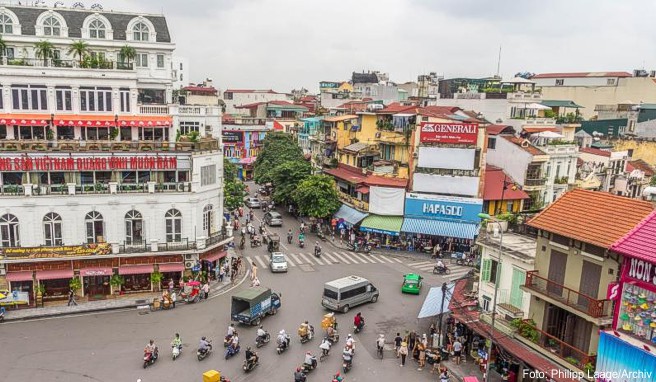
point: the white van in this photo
(347, 292)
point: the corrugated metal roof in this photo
(640, 242)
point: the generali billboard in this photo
(464, 133)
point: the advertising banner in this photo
(443, 207)
(233, 136)
(56, 252)
(28, 162)
(464, 133)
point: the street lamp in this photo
(513, 186)
(491, 219)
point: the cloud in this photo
(285, 44)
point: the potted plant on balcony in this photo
(113, 133)
(117, 281)
(79, 48)
(127, 53)
(44, 50)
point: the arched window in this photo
(208, 219)
(133, 228)
(6, 24)
(140, 32)
(9, 231)
(51, 26)
(95, 228)
(52, 226)
(97, 29)
(173, 226)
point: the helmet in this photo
(298, 369)
(152, 341)
(359, 314)
(177, 334)
(306, 321)
(308, 353)
(337, 375)
(282, 332)
(381, 335)
(203, 338)
(248, 348)
(349, 336)
(261, 326)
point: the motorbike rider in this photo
(151, 349)
(310, 360)
(177, 342)
(358, 321)
(231, 329)
(204, 345)
(330, 332)
(251, 357)
(350, 342)
(283, 339)
(347, 355)
(261, 333)
(305, 329)
(317, 248)
(301, 237)
(262, 228)
(337, 378)
(235, 341)
(380, 342)
(302, 228)
(299, 376)
(325, 346)
(440, 265)
(255, 239)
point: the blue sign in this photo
(435, 207)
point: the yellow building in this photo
(500, 195)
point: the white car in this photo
(277, 262)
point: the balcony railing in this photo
(583, 303)
(12, 189)
(57, 63)
(357, 203)
(535, 182)
(573, 355)
(154, 109)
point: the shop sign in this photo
(15, 297)
(90, 163)
(328, 85)
(232, 136)
(613, 291)
(442, 207)
(96, 272)
(465, 133)
(641, 270)
(56, 252)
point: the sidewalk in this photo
(380, 251)
(142, 301)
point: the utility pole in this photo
(499, 62)
(439, 339)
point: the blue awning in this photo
(461, 230)
(433, 302)
(350, 215)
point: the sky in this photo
(289, 44)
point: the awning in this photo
(249, 160)
(214, 256)
(97, 271)
(433, 302)
(19, 276)
(145, 120)
(24, 119)
(173, 267)
(350, 214)
(54, 274)
(362, 189)
(85, 120)
(135, 269)
(389, 225)
(444, 228)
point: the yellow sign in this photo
(56, 252)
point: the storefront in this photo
(211, 259)
(95, 282)
(448, 222)
(619, 353)
(55, 283)
(136, 277)
(22, 281)
(171, 271)
(347, 217)
(382, 231)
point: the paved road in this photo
(108, 347)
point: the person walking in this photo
(254, 271)
(171, 285)
(71, 298)
(206, 290)
(422, 355)
(457, 350)
(403, 352)
(221, 273)
(397, 343)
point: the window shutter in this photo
(485, 274)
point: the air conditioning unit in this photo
(189, 264)
(189, 256)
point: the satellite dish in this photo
(78, 5)
(97, 7)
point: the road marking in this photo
(343, 260)
(249, 260)
(318, 260)
(420, 263)
(305, 258)
(365, 258)
(330, 258)
(296, 259)
(259, 260)
(397, 260)
(354, 261)
(425, 267)
(385, 258)
(289, 261)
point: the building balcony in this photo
(203, 144)
(535, 183)
(353, 201)
(110, 188)
(555, 148)
(523, 97)
(67, 64)
(448, 172)
(599, 312)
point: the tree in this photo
(229, 171)
(44, 49)
(277, 148)
(286, 177)
(233, 195)
(317, 197)
(79, 49)
(3, 47)
(127, 53)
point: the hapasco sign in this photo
(640, 270)
(87, 163)
(56, 252)
(442, 207)
(464, 133)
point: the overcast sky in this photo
(285, 44)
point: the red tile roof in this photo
(643, 166)
(593, 151)
(532, 130)
(397, 107)
(593, 217)
(640, 242)
(582, 74)
(493, 186)
(497, 129)
(203, 89)
(524, 145)
(354, 175)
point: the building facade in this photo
(239, 97)
(242, 144)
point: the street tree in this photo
(277, 148)
(229, 171)
(286, 177)
(233, 195)
(317, 196)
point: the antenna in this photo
(499, 61)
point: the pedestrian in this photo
(403, 352)
(444, 374)
(171, 285)
(457, 349)
(422, 355)
(206, 290)
(221, 273)
(173, 298)
(71, 298)
(432, 332)
(397, 343)
(253, 271)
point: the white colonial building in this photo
(101, 174)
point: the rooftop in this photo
(643, 166)
(593, 217)
(520, 247)
(356, 147)
(340, 118)
(640, 241)
(397, 107)
(524, 145)
(201, 89)
(354, 175)
(593, 151)
(582, 75)
(493, 186)
(498, 129)
(561, 103)
(269, 91)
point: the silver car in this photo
(273, 219)
(253, 203)
(278, 262)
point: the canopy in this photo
(350, 215)
(54, 274)
(433, 302)
(172, 267)
(389, 225)
(537, 106)
(561, 103)
(135, 269)
(19, 276)
(461, 230)
(548, 134)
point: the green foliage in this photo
(317, 196)
(549, 114)
(229, 171)
(41, 289)
(49, 134)
(79, 49)
(277, 148)
(3, 46)
(113, 133)
(526, 329)
(570, 118)
(44, 50)
(653, 181)
(286, 177)
(572, 360)
(193, 136)
(234, 194)
(156, 277)
(116, 281)
(127, 53)
(75, 284)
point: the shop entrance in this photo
(24, 286)
(96, 287)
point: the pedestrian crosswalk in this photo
(457, 271)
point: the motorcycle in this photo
(176, 351)
(358, 329)
(301, 243)
(307, 368)
(281, 349)
(248, 366)
(308, 336)
(262, 230)
(346, 365)
(149, 359)
(227, 341)
(255, 243)
(441, 270)
(321, 235)
(261, 341)
(202, 354)
(242, 243)
(317, 252)
(366, 248)
(230, 351)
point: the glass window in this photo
(208, 219)
(160, 61)
(95, 99)
(124, 95)
(52, 225)
(94, 227)
(9, 231)
(97, 29)
(51, 27)
(152, 96)
(6, 25)
(64, 97)
(187, 127)
(57, 178)
(141, 60)
(173, 226)
(208, 175)
(140, 32)
(31, 97)
(129, 177)
(133, 227)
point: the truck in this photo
(251, 305)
